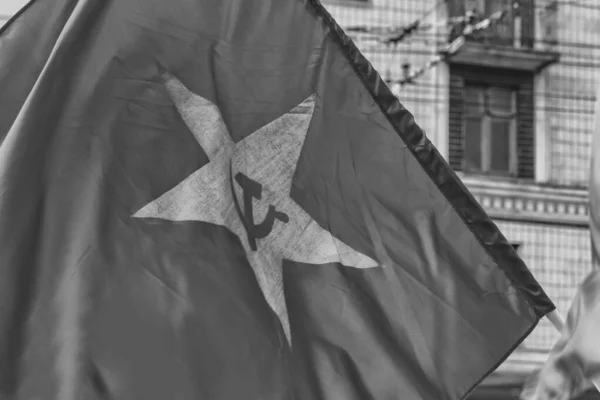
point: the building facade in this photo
(8, 8)
(512, 112)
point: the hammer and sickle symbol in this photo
(253, 190)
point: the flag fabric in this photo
(222, 200)
(573, 364)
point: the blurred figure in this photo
(574, 362)
(553, 382)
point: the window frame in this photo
(526, 134)
(486, 131)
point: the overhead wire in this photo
(470, 28)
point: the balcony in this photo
(511, 43)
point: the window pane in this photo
(474, 101)
(472, 145)
(501, 101)
(500, 143)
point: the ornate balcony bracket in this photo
(525, 201)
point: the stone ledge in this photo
(492, 56)
(524, 201)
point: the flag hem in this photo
(452, 188)
(502, 359)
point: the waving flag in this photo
(222, 200)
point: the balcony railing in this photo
(516, 29)
(523, 40)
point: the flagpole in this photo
(555, 318)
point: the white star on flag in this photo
(246, 188)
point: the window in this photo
(491, 122)
(490, 129)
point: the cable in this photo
(556, 43)
(395, 35)
(562, 62)
(469, 30)
(439, 101)
(385, 10)
(547, 94)
(559, 3)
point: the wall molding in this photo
(524, 201)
